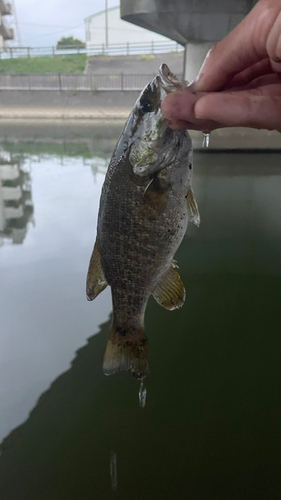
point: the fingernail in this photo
(196, 85)
(190, 88)
(198, 82)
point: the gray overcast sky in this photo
(44, 23)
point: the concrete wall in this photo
(135, 65)
(65, 105)
(101, 114)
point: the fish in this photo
(145, 204)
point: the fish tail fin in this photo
(126, 352)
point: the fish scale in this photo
(145, 205)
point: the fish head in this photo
(153, 144)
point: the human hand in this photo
(239, 83)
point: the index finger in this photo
(244, 46)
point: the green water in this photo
(210, 428)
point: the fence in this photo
(62, 82)
(91, 50)
(134, 48)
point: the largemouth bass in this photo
(145, 205)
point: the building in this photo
(119, 31)
(6, 33)
(16, 208)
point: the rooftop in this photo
(100, 13)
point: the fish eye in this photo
(146, 106)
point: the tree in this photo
(69, 42)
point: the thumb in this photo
(240, 109)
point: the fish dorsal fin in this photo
(192, 208)
(170, 292)
(96, 281)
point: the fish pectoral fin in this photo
(170, 291)
(192, 208)
(96, 281)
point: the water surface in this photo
(210, 428)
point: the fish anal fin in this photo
(170, 291)
(192, 208)
(126, 353)
(96, 281)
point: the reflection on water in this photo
(44, 313)
(206, 140)
(16, 205)
(16, 208)
(142, 395)
(210, 428)
(113, 470)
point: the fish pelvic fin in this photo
(126, 351)
(170, 291)
(192, 208)
(96, 281)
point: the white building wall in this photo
(6, 33)
(12, 193)
(119, 31)
(9, 172)
(1, 38)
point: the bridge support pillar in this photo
(195, 54)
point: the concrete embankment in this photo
(146, 64)
(46, 104)
(114, 106)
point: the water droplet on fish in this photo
(206, 140)
(113, 470)
(142, 395)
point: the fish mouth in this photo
(170, 82)
(152, 141)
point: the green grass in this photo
(72, 63)
(147, 57)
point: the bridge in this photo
(196, 25)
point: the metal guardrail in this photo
(74, 82)
(27, 52)
(91, 50)
(134, 48)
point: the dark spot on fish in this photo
(121, 331)
(121, 286)
(146, 106)
(190, 166)
(160, 183)
(143, 341)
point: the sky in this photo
(44, 23)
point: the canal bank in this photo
(52, 104)
(102, 111)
